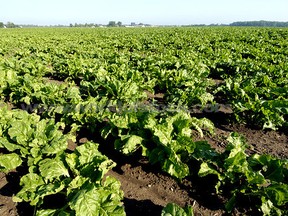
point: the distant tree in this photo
(111, 24)
(1, 25)
(71, 25)
(11, 25)
(119, 23)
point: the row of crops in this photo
(135, 91)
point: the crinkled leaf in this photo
(105, 131)
(206, 169)
(20, 132)
(55, 140)
(181, 122)
(129, 144)
(97, 169)
(12, 146)
(184, 143)
(278, 194)
(164, 133)
(89, 162)
(77, 182)
(175, 167)
(203, 123)
(236, 144)
(58, 144)
(73, 162)
(9, 162)
(53, 168)
(34, 189)
(268, 208)
(272, 168)
(88, 152)
(30, 182)
(48, 189)
(123, 121)
(95, 201)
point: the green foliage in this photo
(174, 210)
(39, 145)
(261, 177)
(9, 162)
(165, 138)
(79, 176)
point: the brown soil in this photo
(147, 191)
(7, 207)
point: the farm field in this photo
(144, 121)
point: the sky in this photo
(156, 12)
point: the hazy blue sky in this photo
(48, 12)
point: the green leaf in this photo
(278, 194)
(77, 182)
(164, 133)
(231, 203)
(181, 122)
(268, 208)
(30, 182)
(89, 162)
(53, 212)
(206, 169)
(52, 169)
(73, 162)
(35, 189)
(172, 209)
(9, 162)
(88, 152)
(56, 145)
(97, 201)
(237, 143)
(105, 131)
(175, 167)
(46, 212)
(20, 132)
(129, 144)
(204, 152)
(49, 189)
(12, 146)
(123, 121)
(272, 168)
(236, 161)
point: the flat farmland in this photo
(144, 121)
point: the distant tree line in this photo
(8, 25)
(262, 23)
(84, 25)
(110, 24)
